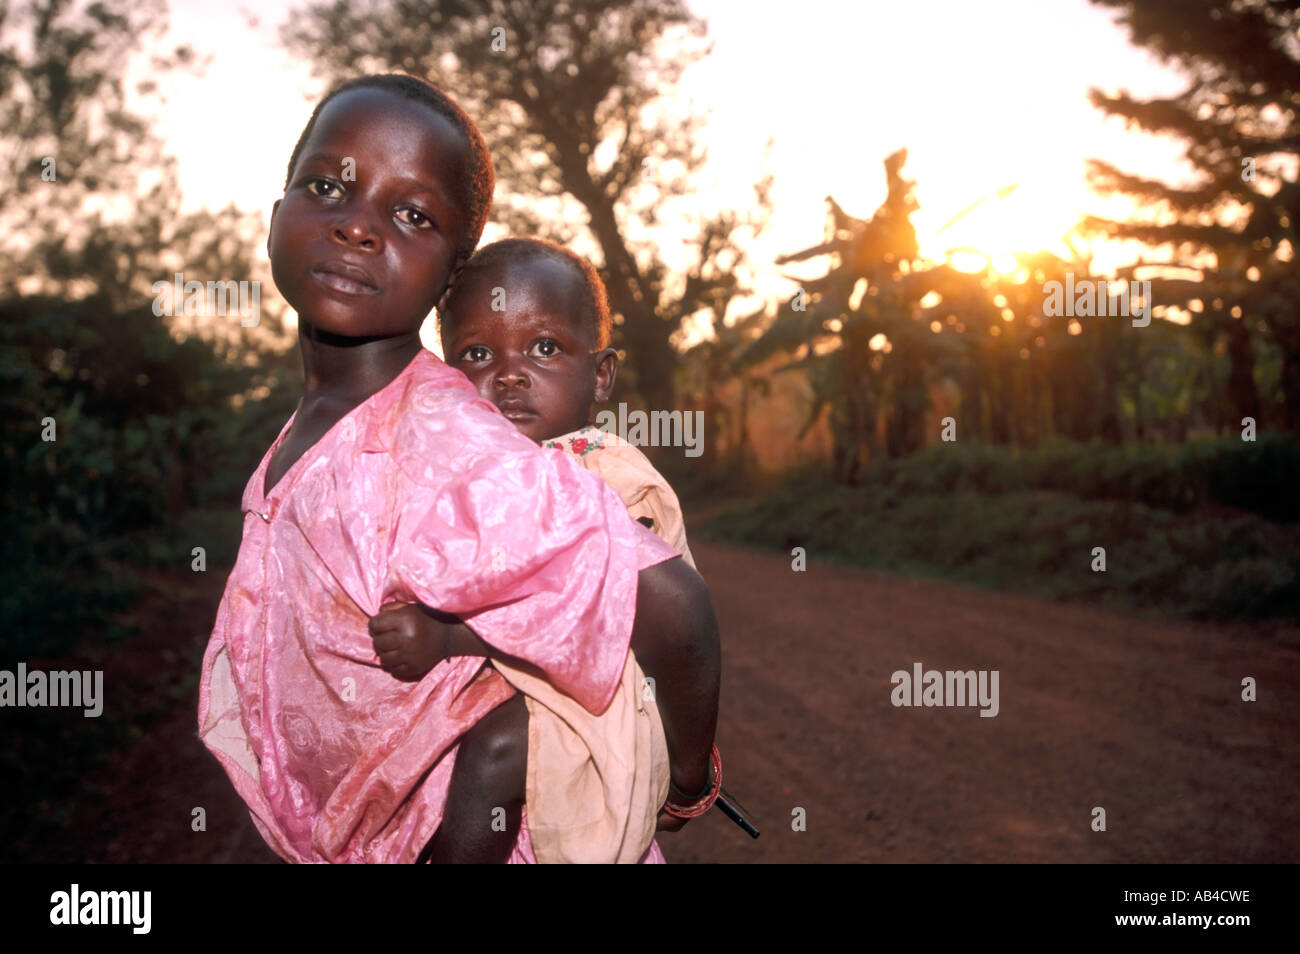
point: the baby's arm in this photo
(674, 636)
(411, 639)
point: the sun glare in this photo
(975, 232)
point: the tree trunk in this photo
(1243, 398)
(1291, 387)
(644, 333)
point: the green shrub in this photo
(1028, 520)
(149, 461)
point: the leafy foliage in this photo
(1234, 225)
(147, 436)
(1190, 530)
(151, 418)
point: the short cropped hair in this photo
(595, 313)
(474, 191)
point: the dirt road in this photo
(1096, 709)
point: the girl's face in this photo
(530, 354)
(364, 240)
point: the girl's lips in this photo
(342, 283)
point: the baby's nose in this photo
(511, 377)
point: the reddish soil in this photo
(1097, 708)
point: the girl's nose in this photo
(355, 230)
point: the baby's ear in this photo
(606, 373)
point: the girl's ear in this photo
(606, 372)
(451, 280)
(275, 207)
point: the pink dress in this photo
(422, 493)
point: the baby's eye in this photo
(545, 348)
(474, 354)
(415, 217)
(319, 187)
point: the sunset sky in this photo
(983, 95)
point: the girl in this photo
(393, 480)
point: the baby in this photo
(394, 481)
(528, 323)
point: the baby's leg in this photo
(485, 800)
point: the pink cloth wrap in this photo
(422, 493)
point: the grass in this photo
(1029, 522)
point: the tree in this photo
(91, 200)
(836, 326)
(572, 97)
(711, 364)
(1240, 119)
(114, 430)
(882, 329)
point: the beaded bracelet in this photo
(703, 802)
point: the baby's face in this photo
(365, 237)
(532, 358)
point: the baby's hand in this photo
(669, 822)
(409, 640)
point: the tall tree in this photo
(1240, 120)
(831, 323)
(574, 100)
(90, 202)
(882, 331)
(113, 429)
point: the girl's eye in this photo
(319, 187)
(475, 354)
(416, 218)
(546, 348)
